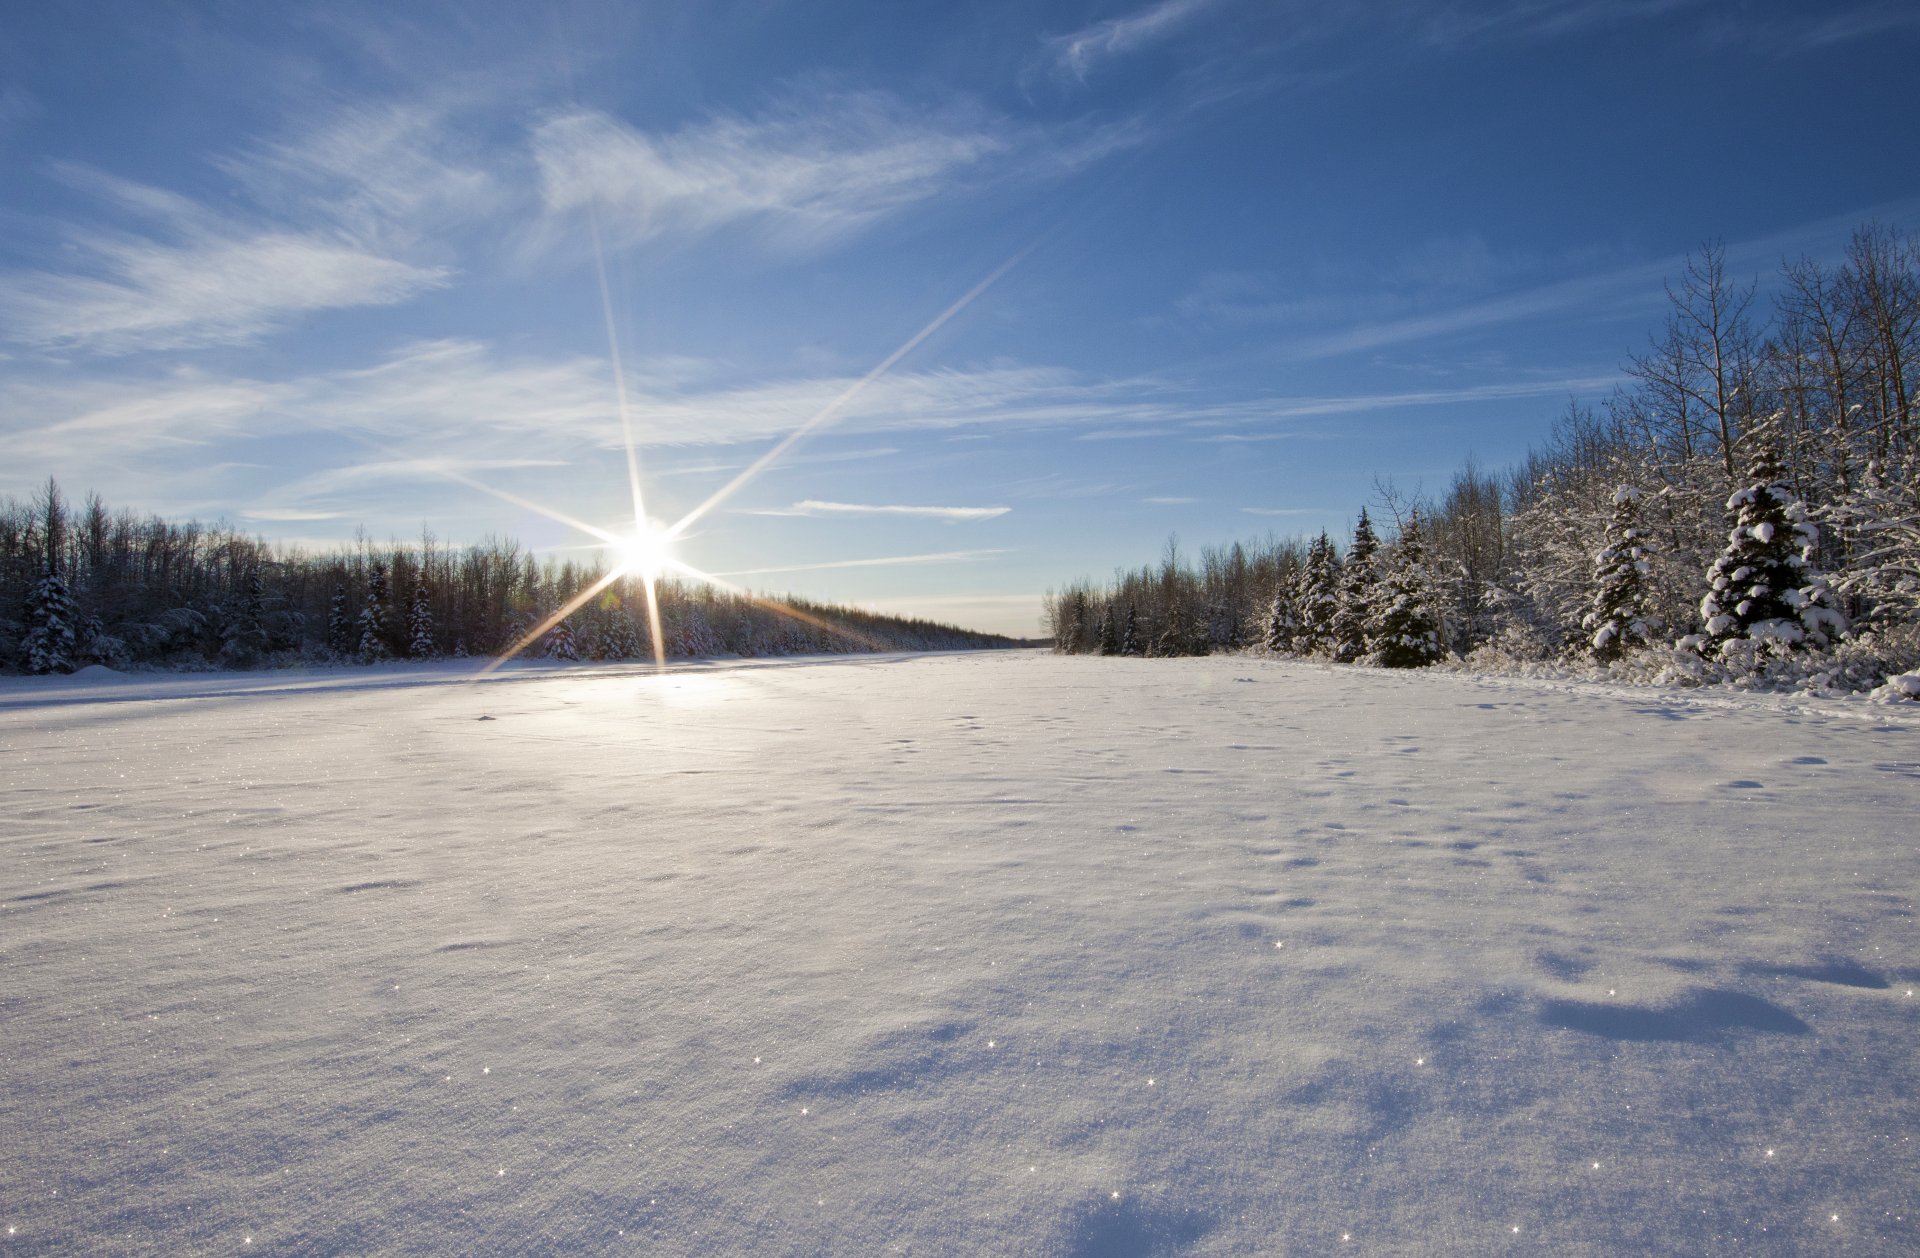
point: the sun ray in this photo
(831, 410)
(565, 610)
(784, 609)
(651, 585)
(619, 371)
(461, 478)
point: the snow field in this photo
(971, 954)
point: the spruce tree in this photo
(1283, 627)
(1764, 589)
(1404, 631)
(1357, 593)
(340, 635)
(1130, 639)
(622, 639)
(561, 644)
(243, 633)
(1317, 597)
(50, 644)
(372, 643)
(420, 620)
(1618, 621)
(1109, 631)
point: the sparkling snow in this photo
(973, 954)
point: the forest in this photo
(1745, 508)
(96, 586)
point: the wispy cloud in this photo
(387, 174)
(1282, 511)
(328, 217)
(1079, 51)
(809, 172)
(195, 279)
(883, 561)
(288, 514)
(462, 399)
(814, 506)
(1169, 502)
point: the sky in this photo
(1038, 282)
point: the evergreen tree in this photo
(1359, 577)
(50, 644)
(622, 641)
(243, 631)
(340, 633)
(420, 620)
(1764, 589)
(1223, 626)
(1618, 620)
(1130, 638)
(1317, 597)
(1283, 627)
(1404, 631)
(1109, 630)
(561, 644)
(1179, 638)
(374, 616)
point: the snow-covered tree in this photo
(1763, 589)
(420, 620)
(1130, 636)
(371, 641)
(51, 642)
(1881, 517)
(1109, 629)
(1404, 630)
(1317, 597)
(1283, 627)
(623, 639)
(1619, 619)
(560, 642)
(340, 634)
(243, 630)
(1359, 577)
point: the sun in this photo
(648, 550)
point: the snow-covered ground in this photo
(975, 954)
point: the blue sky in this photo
(312, 271)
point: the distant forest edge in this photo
(1746, 510)
(94, 586)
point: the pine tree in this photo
(372, 643)
(622, 640)
(1317, 597)
(1178, 638)
(340, 634)
(243, 633)
(561, 644)
(1764, 589)
(1404, 631)
(50, 644)
(1130, 638)
(420, 621)
(1283, 627)
(1359, 577)
(1618, 620)
(1109, 632)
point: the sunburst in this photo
(646, 549)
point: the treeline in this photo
(95, 586)
(1747, 507)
